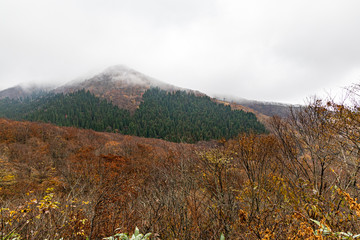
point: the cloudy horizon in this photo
(279, 51)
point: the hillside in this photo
(177, 116)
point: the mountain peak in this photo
(127, 76)
(119, 84)
(118, 69)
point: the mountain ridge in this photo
(121, 85)
(124, 87)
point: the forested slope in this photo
(174, 116)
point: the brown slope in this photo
(35, 155)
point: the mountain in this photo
(13, 92)
(269, 108)
(121, 99)
(23, 91)
(260, 108)
(125, 101)
(120, 85)
(124, 87)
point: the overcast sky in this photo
(279, 50)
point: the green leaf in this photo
(222, 237)
(147, 235)
(136, 231)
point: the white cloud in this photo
(267, 50)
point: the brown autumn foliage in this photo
(301, 181)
